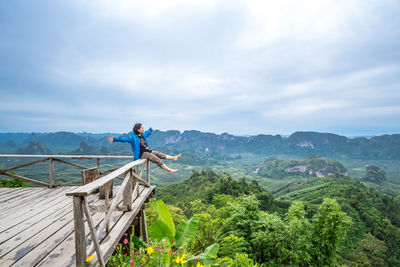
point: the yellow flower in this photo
(89, 258)
(149, 250)
(199, 265)
(181, 260)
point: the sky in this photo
(241, 67)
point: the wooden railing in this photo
(52, 159)
(129, 186)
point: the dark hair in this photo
(137, 127)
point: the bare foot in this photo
(177, 157)
(171, 170)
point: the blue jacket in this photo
(135, 142)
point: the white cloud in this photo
(149, 11)
(213, 64)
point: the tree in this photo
(284, 242)
(244, 220)
(329, 229)
(298, 235)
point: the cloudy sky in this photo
(242, 67)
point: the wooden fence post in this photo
(79, 226)
(144, 226)
(138, 226)
(107, 202)
(148, 171)
(90, 175)
(51, 172)
(127, 194)
(108, 187)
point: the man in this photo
(140, 148)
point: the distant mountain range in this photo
(299, 143)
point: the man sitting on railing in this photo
(140, 148)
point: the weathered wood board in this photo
(37, 225)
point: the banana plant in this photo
(163, 226)
(209, 255)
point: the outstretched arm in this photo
(147, 133)
(118, 139)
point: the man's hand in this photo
(110, 138)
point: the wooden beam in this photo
(127, 194)
(79, 227)
(140, 180)
(137, 187)
(141, 172)
(70, 182)
(70, 163)
(103, 208)
(108, 244)
(26, 179)
(93, 232)
(137, 229)
(107, 204)
(51, 172)
(89, 188)
(110, 211)
(148, 171)
(65, 156)
(24, 165)
(144, 224)
(109, 187)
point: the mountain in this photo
(20, 139)
(376, 178)
(375, 175)
(311, 166)
(299, 143)
(385, 147)
(8, 146)
(60, 140)
(84, 149)
(35, 148)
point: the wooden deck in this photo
(37, 225)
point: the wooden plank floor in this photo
(37, 225)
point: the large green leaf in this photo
(163, 226)
(209, 255)
(186, 231)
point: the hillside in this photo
(372, 212)
(375, 216)
(207, 184)
(311, 166)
